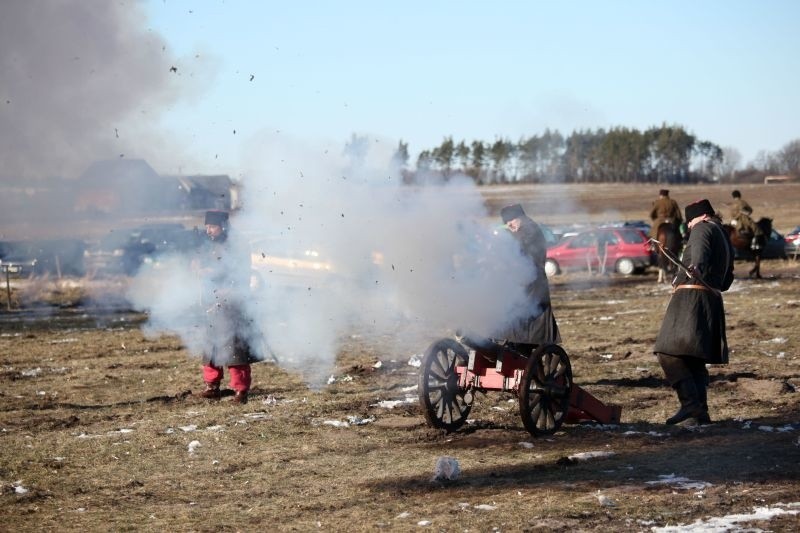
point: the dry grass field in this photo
(102, 428)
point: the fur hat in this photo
(216, 218)
(698, 208)
(736, 194)
(510, 212)
(663, 192)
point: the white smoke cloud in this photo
(395, 253)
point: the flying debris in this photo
(173, 69)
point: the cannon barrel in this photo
(480, 344)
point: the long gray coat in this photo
(226, 328)
(694, 324)
(539, 327)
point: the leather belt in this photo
(695, 287)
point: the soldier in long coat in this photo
(693, 330)
(225, 277)
(664, 209)
(539, 326)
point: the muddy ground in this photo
(101, 428)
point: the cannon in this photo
(453, 370)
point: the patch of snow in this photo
(377, 365)
(215, 428)
(19, 489)
(585, 456)
(409, 389)
(194, 445)
(728, 522)
(678, 482)
(526, 445)
(485, 507)
(404, 514)
(768, 429)
(336, 423)
(607, 355)
(258, 416)
(416, 360)
(605, 318)
(33, 372)
(424, 523)
(187, 429)
(358, 421)
(391, 404)
(776, 340)
(614, 302)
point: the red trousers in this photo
(240, 376)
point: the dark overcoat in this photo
(694, 324)
(539, 325)
(224, 281)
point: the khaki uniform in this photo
(665, 209)
(740, 217)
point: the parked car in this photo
(622, 249)
(125, 251)
(792, 242)
(59, 257)
(775, 248)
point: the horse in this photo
(669, 237)
(748, 244)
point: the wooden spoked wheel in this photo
(441, 395)
(545, 390)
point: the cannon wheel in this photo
(545, 390)
(440, 394)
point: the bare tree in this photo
(731, 160)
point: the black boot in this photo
(691, 409)
(701, 384)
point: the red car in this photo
(623, 250)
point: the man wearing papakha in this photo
(226, 278)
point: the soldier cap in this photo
(663, 192)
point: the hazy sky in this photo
(419, 71)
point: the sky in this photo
(421, 71)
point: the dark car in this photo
(792, 242)
(125, 251)
(625, 250)
(59, 257)
(775, 248)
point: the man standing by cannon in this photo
(539, 325)
(693, 330)
(225, 278)
(665, 209)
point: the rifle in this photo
(689, 271)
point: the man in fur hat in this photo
(693, 330)
(539, 327)
(226, 276)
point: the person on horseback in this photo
(664, 209)
(741, 217)
(692, 333)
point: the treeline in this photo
(664, 154)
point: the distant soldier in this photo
(665, 209)
(741, 215)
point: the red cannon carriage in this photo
(453, 371)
